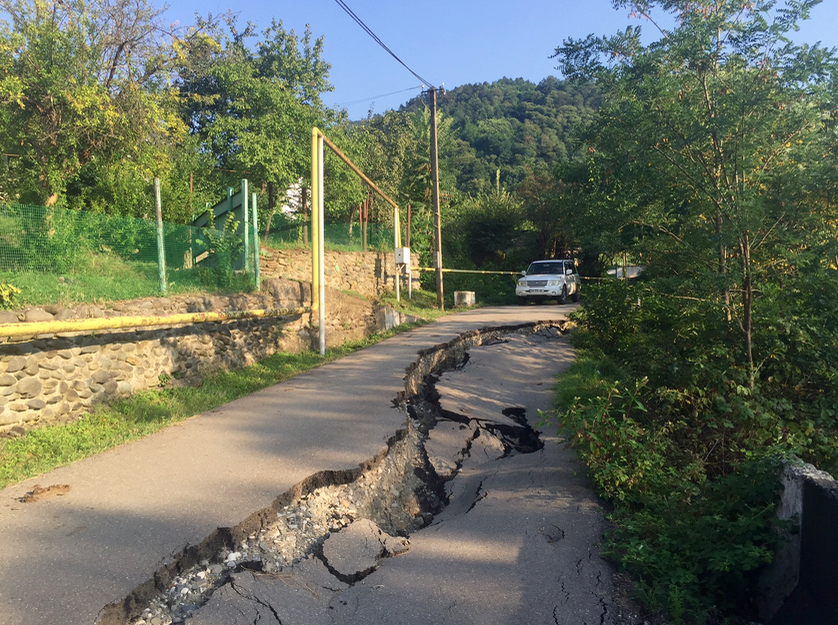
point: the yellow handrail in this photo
(318, 138)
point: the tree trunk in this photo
(722, 260)
(747, 306)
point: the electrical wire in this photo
(375, 38)
(383, 95)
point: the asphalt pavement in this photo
(523, 547)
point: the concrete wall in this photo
(800, 585)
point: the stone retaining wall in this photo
(57, 378)
(367, 273)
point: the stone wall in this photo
(51, 379)
(367, 273)
(56, 378)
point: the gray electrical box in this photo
(403, 256)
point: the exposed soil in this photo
(38, 492)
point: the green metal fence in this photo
(54, 255)
(41, 245)
(53, 240)
(285, 231)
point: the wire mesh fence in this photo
(107, 256)
(54, 254)
(285, 231)
(52, 240)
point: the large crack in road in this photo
(310, 557)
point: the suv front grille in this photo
(537, 283)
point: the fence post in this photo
(255, 223)
(245, 225)
(161, 249)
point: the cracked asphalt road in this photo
(66, 558)
(517, 544)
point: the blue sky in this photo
(445, 41)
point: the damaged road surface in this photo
(403, 483)
(515, 542)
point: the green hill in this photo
(512, 125)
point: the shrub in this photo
(225, 246)
(8, 294)
(692, 534)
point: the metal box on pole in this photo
(403, 256)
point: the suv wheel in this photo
(575, 296)
(562, 299)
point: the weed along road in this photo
(401, 484)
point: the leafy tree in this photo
(78, 89)
(550, 215)
(253, 108)
(485, 231)
(709, 163)
(396, 155)
(706, 125)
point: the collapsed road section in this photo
(310, 557)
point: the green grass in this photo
(590, 375)
(336, 239)
(421, 304)
(102, 277)
(106, 427)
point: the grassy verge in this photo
(422, 304)
(102, 277)
(44, 449)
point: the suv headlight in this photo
(553, 283)
(522, 282)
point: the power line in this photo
(383, 95)
(375, 38)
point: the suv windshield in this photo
(545, 268)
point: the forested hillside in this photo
(514, 126)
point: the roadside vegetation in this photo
(712, 162)
(422, 304)
(98, 278)
(705, 152)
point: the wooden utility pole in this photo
(437, 219)
(366, 220)
(407, 229)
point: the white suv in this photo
(549, 278)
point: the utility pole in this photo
(437, 219)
